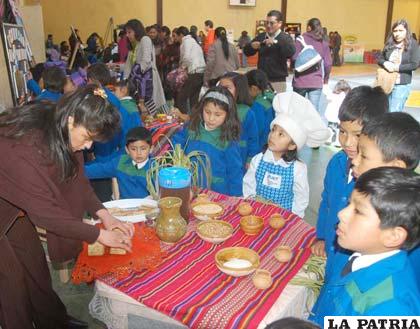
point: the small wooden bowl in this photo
(277, 221)
(214, 237)
(262, 279)
(207, 210)
(252, 225)
(228, 254)
(283, 254)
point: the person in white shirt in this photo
(277, 175)
(192, 60)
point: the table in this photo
(191, 291)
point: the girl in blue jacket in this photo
(214, 129)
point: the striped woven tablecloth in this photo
(188, 287)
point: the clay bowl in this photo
(214, 231)
(262, 279)
(283, 254)
(252, 225)
(277, 221)
(225, 259)
(207, 210)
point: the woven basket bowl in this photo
(201, 231)
(201, 215)
(252, 225)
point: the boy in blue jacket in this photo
(130, 169)
(361, 105)
(54, 80)
(391, 140)
(380, 225)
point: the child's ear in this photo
(394, 237)
(292, 146)
(398, 163)
(126, 149)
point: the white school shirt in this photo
(363, 261)
(300, 185)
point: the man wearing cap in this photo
(274, 48)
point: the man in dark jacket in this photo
(274, 48)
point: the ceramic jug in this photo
(170, 226)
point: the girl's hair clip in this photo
(100, 92)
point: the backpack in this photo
(307, 58)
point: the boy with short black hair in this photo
(130, 169)
(54, 80)
(391, 140)
(362, 105)
(380, 225)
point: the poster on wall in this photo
(16, 51)
(352, 51)
(249, 3)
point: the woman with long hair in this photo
(222, 57)
(309, 82)
(140, 68)
(401, 54)
(42, 183)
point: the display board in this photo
(18, 57)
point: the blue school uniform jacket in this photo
(131, 181)
(264, 114)
(387, 287)
(334, 198)
(34, 87)
(249, 141)
(49, 95)
(225, 158)
(103, 151)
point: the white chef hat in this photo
(299, 118)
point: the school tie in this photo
(347, 268)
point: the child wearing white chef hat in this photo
(277, 175)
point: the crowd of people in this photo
(87, 124)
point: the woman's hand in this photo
(111, 223)
(115, 239)
(389, 66)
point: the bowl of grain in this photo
(237, 261)
(207, 210)
(214, 231)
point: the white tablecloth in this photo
(113, 307)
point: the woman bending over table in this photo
(41, 176)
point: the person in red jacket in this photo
(209, 39)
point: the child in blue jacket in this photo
(130, 169)
(237, 84)
(391, 140)
(214, 129)
(379, 225)
(262, 106)
(99, 73)
(361, 105)
(54, 80)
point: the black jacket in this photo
(273, 60)
(409, 61)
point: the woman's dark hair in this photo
(231, 127)
(166, 30)
(88, 109)
(397, 136)
(394, 193)
(138, 28)
(182, 30)
(390, 42)
(220, 33)
(362, 104)
(99, 72)
(241, 85)
(193, 32)
(341, 86)
(208, 23)
(316, 28)
(54, 79)
(138, 134)
(292, 323)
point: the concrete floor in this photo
(77, 298)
